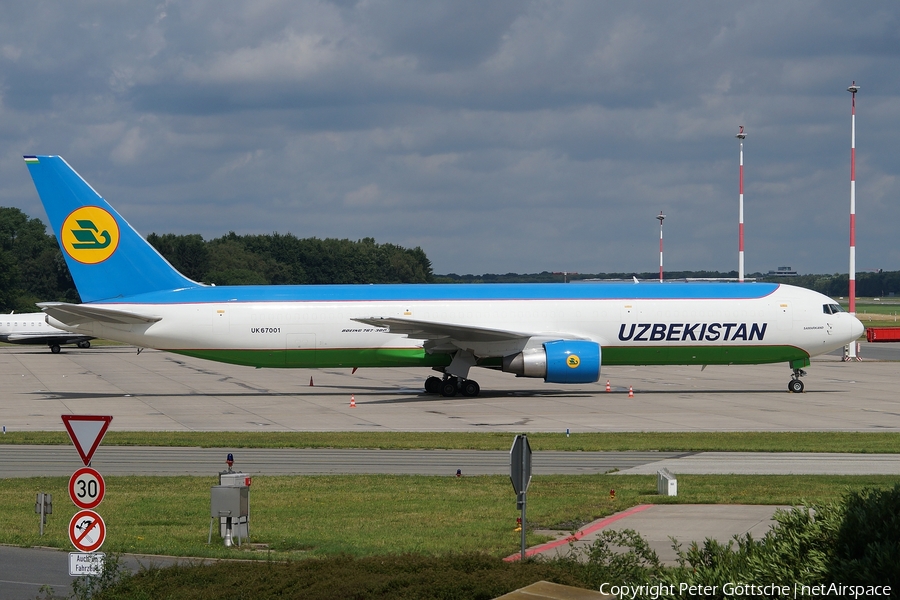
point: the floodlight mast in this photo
(853, 89)
(741, 136)
(660, 217)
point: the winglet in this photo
(108, 259)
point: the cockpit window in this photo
(831, 309)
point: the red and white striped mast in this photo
(853, 89)
(741, 135)
(660, 217)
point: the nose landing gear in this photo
(796, 386)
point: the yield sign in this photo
(86, 431)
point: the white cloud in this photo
(368, 195)
(129, 149)
(10, 52)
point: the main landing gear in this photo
(796, 386)
(449, 386)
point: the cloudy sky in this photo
(498, 136)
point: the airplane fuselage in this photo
(644, 324)
(562, 333)
(32, 328)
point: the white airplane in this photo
(32, 328)
(554, 332)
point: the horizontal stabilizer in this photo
(77, 314)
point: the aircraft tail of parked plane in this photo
(560, 333)
(32, 328)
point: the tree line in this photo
(284, 259)
(32, 268)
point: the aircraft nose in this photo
(856, 328)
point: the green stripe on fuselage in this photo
(319, 358)
(417, 357)
(700, 355)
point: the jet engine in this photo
(561, 361)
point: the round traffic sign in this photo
(86, 488)
(87, 531)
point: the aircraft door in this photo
(785, 319)
(628, 314)
(300, 350)
(221, 324)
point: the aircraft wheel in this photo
(84, 344)
(795, 386)
(54, 348)
(433, 385)
(448, 387)
(470, 388)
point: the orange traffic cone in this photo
(607, 385)
(310, 382)
(352, 401)
(630, 392)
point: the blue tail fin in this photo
(108, 259)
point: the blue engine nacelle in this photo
(562, 361)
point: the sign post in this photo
(520, 475)
(43, 506)
(87, 531)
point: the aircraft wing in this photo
(76, 314)
(431, 330)
(461, 334)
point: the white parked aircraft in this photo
(32, 328)
(556, 332)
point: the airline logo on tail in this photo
(90, 235)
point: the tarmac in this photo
(153, 391)
(157, 391)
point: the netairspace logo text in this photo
(742, 590)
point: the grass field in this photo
(306, 516)
(734, 441)
(380, 536)
(880, 313)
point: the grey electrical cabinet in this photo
(231, 506)
(228, 501)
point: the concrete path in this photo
(658, 522)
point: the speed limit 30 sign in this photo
(86, 488)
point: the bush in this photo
(867, 545)
(457, 577)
